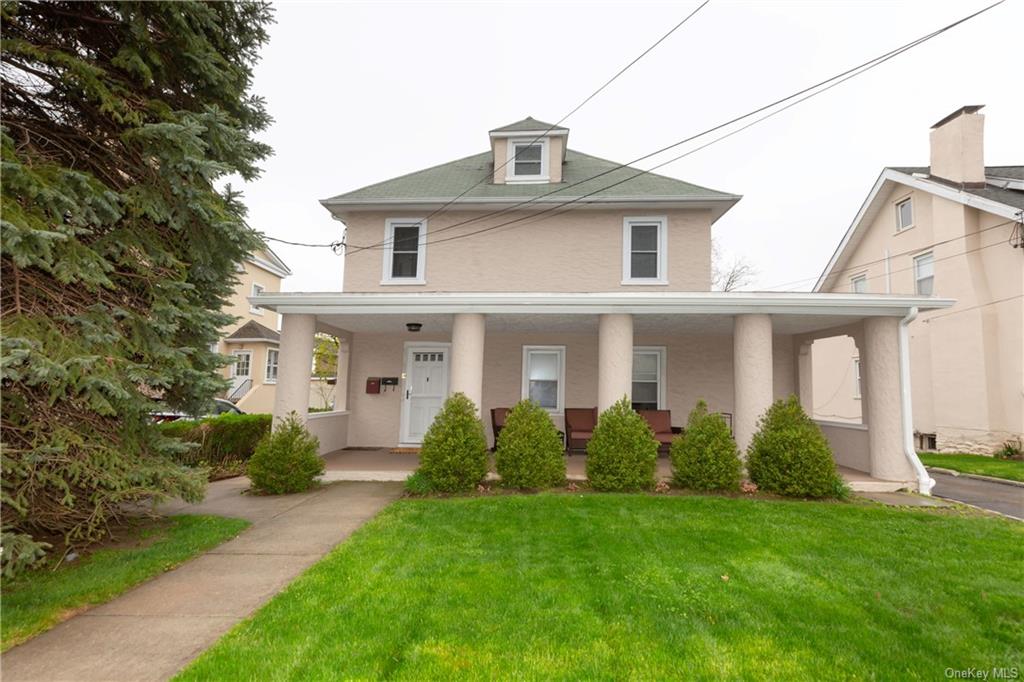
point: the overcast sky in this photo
(363, 92)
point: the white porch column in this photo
(805, 376)
(752, 374)
(880, 371)
(614, 359)
(295, 363)
(344, 363)
(467, 372)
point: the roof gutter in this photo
(925, 483)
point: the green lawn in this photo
(976, 464)
(39, 600)
(559, 586)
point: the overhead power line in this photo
(799, 96)
(336, 247)
(858, 266)
(560, 121)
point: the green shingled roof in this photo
(443, 183)
(529, 124)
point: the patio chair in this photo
(579, 427)
(498, 417)
(660, 422)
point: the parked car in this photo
(219, 407)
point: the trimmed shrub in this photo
(453, 456)
(705, 457)
(287, 460)
(530, 452)
(622, 454)
(790, 456)
(218, 440)
(418, 484)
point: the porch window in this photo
(644, 250)
(528, 160)
(904, 215)
(544, 376)
(256, 290)
(271, 376)
(856, 378)
(405, 251)
(648, 378)
(924, 274)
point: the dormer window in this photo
(528, 160)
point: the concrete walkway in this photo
(1005, 498)
(154, 630)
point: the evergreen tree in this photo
(118, 248)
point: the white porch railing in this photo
(331, 428)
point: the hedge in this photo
(225, 438)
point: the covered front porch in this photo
(402, 354)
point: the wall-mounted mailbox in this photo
(373, 385)
(389, 381)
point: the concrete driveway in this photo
(1004, 498)
(154, 630)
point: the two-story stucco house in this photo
(533, 270)
(253, 339)
(953, 229)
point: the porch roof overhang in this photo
(655, 312)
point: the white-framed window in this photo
(243, 363)
(904, 214)
(859, 284)
(924, 274)
(645, 250)
(856, 378)
(648, 378)
(405, 253)
(527, 160)
(544, 376)
(271, 375)
(257, 289)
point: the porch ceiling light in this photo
(413, 326)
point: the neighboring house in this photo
(253, 339)
(951, 229)
(532, 270)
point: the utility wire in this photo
(336, 247)
(918, 249)
(973, 307)
(579, 106)
(810, 91)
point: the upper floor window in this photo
(924, 274)
(544, 376)
(648, 378)
(904, 215)
(257, 289)
(528, 160)
(859, 284)
(644, 250)
(405, 251)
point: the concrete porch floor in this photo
(383, 465)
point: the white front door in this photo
(426, 387)
(241, 371)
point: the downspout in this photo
(925, 483)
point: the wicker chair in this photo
(579, 427)
(660, 422)
(498, 417)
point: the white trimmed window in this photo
(405, 253)
(243, 363)
(648, 378)
(856, 378)
(645, 250)
(271, 375)
(904, 215)
(924, 274)
(257, 289)
(544, 376)
(859, 284)
(527, 160)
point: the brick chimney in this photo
(958, 147)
